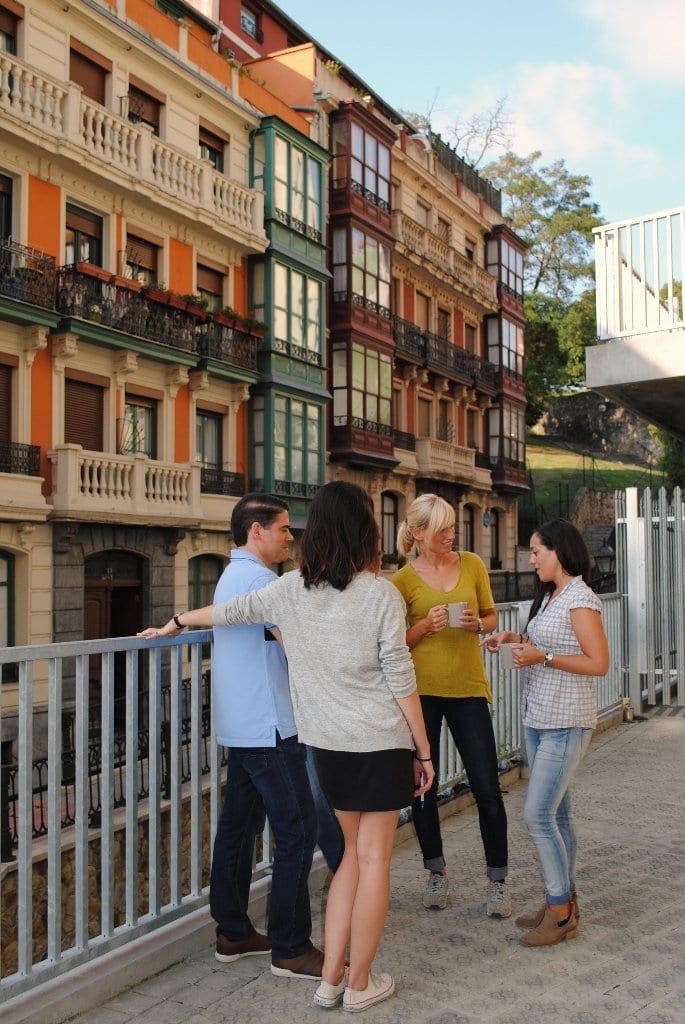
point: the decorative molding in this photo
(64, 348)
(176, 377)
(197, 539)
(198, 380)
(124, 364)
(172, 540)
(24, 533)
(35, 339)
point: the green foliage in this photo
(551, 209)
(545, 364)
(672, 461)
(578, 330)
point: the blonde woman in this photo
(453, 686)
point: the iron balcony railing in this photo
(439, 353)
(228, 344)
(22, 459)
(27, 274)
(401, 439)
(220, 481)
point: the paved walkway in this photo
(627, 963)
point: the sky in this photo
(597, 83)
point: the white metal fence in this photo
(650, 545)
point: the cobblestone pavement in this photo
(459, 967)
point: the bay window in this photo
(367, 376)
(297, 314)
(369, 274)
(507, 433)
(297, 189)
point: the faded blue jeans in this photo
(554, 756)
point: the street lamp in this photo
(605, 560)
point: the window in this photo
(212, 148)
(142, 259)
(444, 323)
(423, 214)
(389, 523)
(471, 339)
(7, 672)
(421, 311)
(249, 23)
(445, 424)
(506, 263)
(9, 24)
(83, 239)
(495, 539)
(297, 189)
(297, 446)
(297, 314)
(507, 433)
(5, 409)
(83, 414)
(425, 408)
(210, 287)
(369, 385)
(468, 540)
(370, 167)
(510, 355)
(370, 272)
(203, 575)
(89, 70)
(473, 428)
(139, 427)
(208, 439)
(443, 230)
(470, 250)
(5, 206)
(144, 108)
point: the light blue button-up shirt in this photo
(250, 691)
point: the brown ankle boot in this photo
(534, 917)
(549, 931)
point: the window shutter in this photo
(5, 408)
(84, 404)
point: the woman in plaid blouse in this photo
(562, 653)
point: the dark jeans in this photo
(329, 835)
(468, 719)
(271, 782)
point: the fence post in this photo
(635, 589)
(6, 854)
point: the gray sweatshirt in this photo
(348, 659)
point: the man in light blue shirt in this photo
(267, 771)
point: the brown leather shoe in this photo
(252, 945)
(308, 965)
(533, 918)
(549, 931)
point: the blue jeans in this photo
(468, 719)
(267, 782)
(554, 756)
(329, 836)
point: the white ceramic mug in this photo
(506, 656)
(454, 610)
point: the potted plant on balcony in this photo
(157, 292)
(196, 305)
(131, 284)
(226, 317)
(254, 326)
(93, 271)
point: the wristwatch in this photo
(549, 659)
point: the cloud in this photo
(645, 35)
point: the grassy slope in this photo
(558, 472)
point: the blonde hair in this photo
(428, 512)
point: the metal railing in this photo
(173, 825)
(23, 459)
(639, 272)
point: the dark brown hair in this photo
(567, 543)
(341, 538)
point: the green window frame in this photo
(7, 597)
(297, 445)
(139, 428)
(297, 188)
(209, 439)
(298, 311)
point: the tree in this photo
(577, 331)
(476, 135)
(672, 459)
(545, 364)
(552, 211)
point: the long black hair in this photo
(566, 541)
(341, 538)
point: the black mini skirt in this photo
(376, 780)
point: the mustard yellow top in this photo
(450, 663)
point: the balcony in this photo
(105, 487)
(442, 357)
(417, 243)
(75, 127)
(220, 343)
(27, 274)
(444, 460)
(21, 483)
(640, 361)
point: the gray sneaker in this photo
(437, 890)
(499, 899)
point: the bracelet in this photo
(422, 759)
(177, 621)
